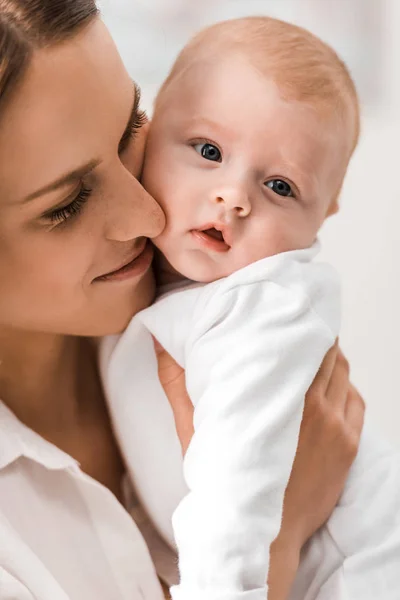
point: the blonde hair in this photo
(304, 68)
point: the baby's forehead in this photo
(233, 86)
(304, 68)
(241, 109)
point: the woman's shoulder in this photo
(22, 457)
(58, 526)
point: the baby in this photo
(247, 151)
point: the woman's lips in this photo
(210, 242)
(136, 267)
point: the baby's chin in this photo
(199, 267)
(192, 264)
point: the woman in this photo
(74, 264)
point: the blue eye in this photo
(280, 187)
(208, 151)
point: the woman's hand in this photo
(329, 438)
(328, 443)
(172, 378)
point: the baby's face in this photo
(240, 173)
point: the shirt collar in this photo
(17, 440)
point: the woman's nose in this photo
(233, 199)
(132, 212)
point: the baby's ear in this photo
(333, 208)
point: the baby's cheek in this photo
(152, 182)
(271, 238)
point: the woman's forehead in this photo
(70, 107)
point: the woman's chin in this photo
(116, 311)
(140, 298)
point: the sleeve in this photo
(366, 527)
(247, 373)
(11, 588)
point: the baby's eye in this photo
(208, 151)
(280, 187)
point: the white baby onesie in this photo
(251, 345)
(356, 555)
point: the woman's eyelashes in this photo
(138, 119)
(60, 215)
(209, 151)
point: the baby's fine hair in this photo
(304, 68)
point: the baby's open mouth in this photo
(215, 234)
(211, 238)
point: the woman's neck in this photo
(39, 378)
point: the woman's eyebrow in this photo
(84, 170)
(64, 180)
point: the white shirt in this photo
(251, 345)
(64, 536)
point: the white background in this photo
(363, 241)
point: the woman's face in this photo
(72, 212)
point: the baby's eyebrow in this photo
(205, 122)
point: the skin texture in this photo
(259, 139)
(72, 109)
(65, 115)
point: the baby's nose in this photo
(234, 199)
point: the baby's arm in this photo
(254, 352)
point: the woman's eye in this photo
(209, 152)
(280, 187)
(61, 215)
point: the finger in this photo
(338, 387)
(324, 374)
(183, 412)
(157, 346)
(355, 411)
(168, 369)
(185, 429)
(172, 379)
(169, 372)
